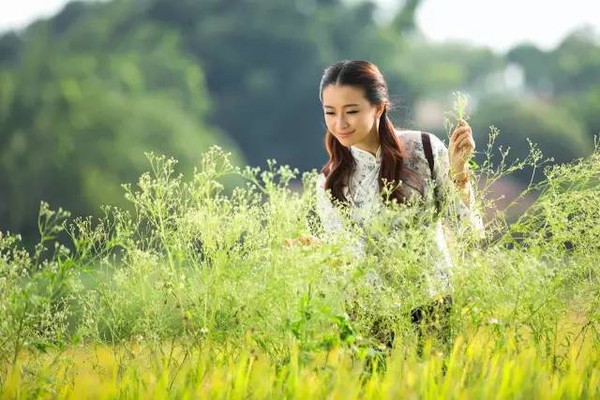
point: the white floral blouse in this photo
(364, 196)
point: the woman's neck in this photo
(370, 146)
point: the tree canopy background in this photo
(85, 93)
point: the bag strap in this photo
(428, 151)
(429, 156)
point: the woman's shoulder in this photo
(408, 134)
(412, 140)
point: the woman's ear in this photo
(380, 110)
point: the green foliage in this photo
(458, 114)
(263, 62)
(195, 265)
(555, 131)
(437, 69)
(585, 107)
(565, 210)
(85, 93)
(567, 78)
(571, 67)
(75, 126)
(231, 273)
(38, 290)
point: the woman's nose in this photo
(341, 122)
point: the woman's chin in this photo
(346, 142)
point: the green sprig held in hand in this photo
(458, 116)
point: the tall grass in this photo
(198, 291)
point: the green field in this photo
(202, 291)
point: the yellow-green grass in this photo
(204, 295)
(478, 367)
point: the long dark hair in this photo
(337, 171)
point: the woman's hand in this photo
(302, 240)
(461, 149)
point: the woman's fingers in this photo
(460, 138)
(462, 144)
(465, 146)
(302, 240)
(465, 141)
(458, 135)
(461, 131)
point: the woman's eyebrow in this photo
(347, 105)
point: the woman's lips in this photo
(346, 134)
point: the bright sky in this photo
(506, 23)
(493, 23)
(17, 14)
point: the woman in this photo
(366, 151)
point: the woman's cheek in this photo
(328, 124)
(330, 127)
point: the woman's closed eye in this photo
(348, 112)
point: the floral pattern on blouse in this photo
(364, 197)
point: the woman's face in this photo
(350, 117)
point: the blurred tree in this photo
(10, 48)
(76, 125)
(576, 63)
(107, 80)
(586, 107)
(573, 66)
(570, 74)
(557, 132)
(537, 67)
(404, 20)
(437, 69)
(263, 62)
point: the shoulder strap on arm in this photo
(428, 151)
(429, 156)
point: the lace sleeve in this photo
(454, 206)
(330, 217)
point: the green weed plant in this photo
(200, 290)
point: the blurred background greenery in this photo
(84, 93)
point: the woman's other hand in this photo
(302, 240)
